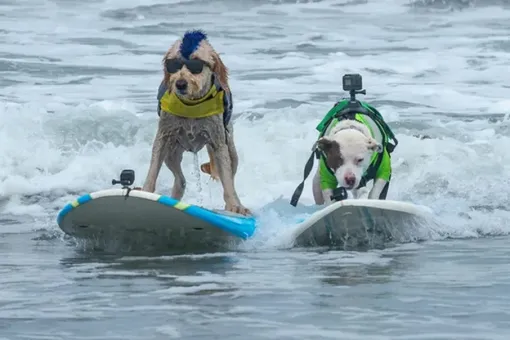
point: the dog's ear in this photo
(220, 70)
(372, 145)
(166, 75)
(325, 144)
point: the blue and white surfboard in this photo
(108, 214)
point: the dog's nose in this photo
(181, 84)
(350, 180)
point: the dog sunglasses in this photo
(195, 66)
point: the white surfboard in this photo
(363, 223)
(140, 216)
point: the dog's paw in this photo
(238, 209)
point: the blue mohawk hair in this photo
(190, 42)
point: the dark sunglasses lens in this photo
(173, 65)
(195, 66)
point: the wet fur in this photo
(177, 134)
(346, 143)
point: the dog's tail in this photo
(209, 167)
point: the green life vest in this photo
(380, 163)
(380, 166)
(383, 171)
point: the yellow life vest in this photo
(209, 105)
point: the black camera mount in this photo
(127, 178)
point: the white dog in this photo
(352, 154)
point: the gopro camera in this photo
(127, 177)
(352, 82)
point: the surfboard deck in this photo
(362, 223)
(142, 216)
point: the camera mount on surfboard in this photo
(127, 178)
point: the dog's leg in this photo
(234, 158)
(159, 149)
(377, 189)
(326, 194)
(358, 193)
(232, 202)
(316, 189)
(173, 162)
(210, 168)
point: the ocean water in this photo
(78, 83)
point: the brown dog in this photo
(195, 109)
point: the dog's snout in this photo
(350, 179)
(181, 84)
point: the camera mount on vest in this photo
(353, 83)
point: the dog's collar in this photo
(209, 105)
